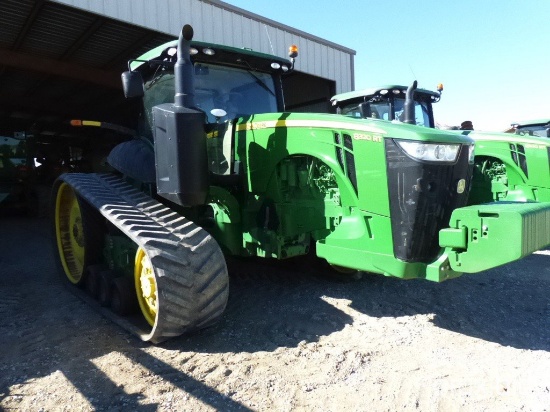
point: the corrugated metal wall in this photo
(218, 22)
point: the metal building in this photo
(62, 59)
(326, 67)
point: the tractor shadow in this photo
(46, 329)
(508, 305)
(48, 332)
(270, 306)
(282, 305)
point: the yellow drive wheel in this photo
(69, 231)
(146, 286)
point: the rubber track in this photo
(190, 269)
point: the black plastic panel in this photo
(422, 197)
(180, 154)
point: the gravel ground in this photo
(289, 341)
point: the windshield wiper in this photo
(156, 77)
(256, 78)
(260, 82)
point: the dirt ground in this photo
(289, 341)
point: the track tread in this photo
(190, 268)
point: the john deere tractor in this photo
(509, 167)
(220, 169)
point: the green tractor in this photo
(507, 167)
(220, 169)
(17, 177)
(14, 191)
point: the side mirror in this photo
(218, 114)
(132, 84)
(364, 110)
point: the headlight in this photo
(430, 152)
(471, 154)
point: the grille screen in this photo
(346, 159)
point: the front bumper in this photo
(478, 238)
(485, 236)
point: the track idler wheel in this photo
(78, 234)
(146, 286)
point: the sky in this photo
(492, 56)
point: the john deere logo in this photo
(461, 186)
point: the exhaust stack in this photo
(183, 71)
(408, 107)
(180, 142)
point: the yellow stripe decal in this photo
(325, 124)
(510, 139)
(91, 123)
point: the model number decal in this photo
(369, 137)
(534, 146)
(256, 126)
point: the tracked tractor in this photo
(507, 167)
(219, 168)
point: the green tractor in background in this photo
(536, 127)
(507, 167)
(17, 176)
(219, 168)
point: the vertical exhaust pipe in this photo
(180, 142)
(183, 71)
(408, 107)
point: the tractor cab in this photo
(192, 90)
(388, 103)
(228, 82)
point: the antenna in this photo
(269, 39)
(412, 71)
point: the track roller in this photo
(105, 285)
(123, 297)
(91, 279)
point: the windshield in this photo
(536, 130)
(388, 109)
(238, 91)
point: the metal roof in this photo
(60, 60)
(58, 63)
(218, 22)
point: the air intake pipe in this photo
(180, 143)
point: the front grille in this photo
(519, 158)
(346, 159)
(422, 197)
